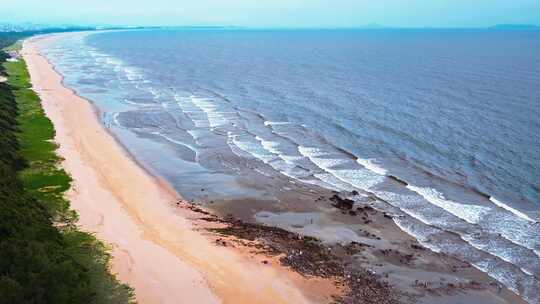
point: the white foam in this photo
(511, 209)
(132, 74)
(115, 119)
(485, 267)
(489, 266)
(195, 113)
(422, 238)
(269, 145)
(320, 158)
(176, 141)
(359, 178)
(273, 147)
(271, 123)
(320, 183)
(214, 116)
(505, 254)
(129, 102)
(371, 165)
(335, 183)
(252, 148)
(111, 61)
(470, 213)
(205, 112)
(509, 252)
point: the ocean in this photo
(441, 128)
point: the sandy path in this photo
(155, 248)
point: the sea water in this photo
(441, 125)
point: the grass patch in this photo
(37, 147)
(44, 258)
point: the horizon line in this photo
(373, 26)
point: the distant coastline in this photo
(36, 29)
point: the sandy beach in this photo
(156, 248)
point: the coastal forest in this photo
(44, 257)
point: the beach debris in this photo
(397, 256)
(448, 288)
(309, 257)
(342, 203)
(368, 234)
(417, 247)
(221, 242)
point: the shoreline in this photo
(207, 272)
(156, 249)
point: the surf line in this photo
(513, 210)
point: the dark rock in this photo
(309, 257)
(342, 203)
(417, 247)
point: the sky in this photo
(274, 13)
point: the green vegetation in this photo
(42, 178)
(44, 258)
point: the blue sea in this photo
(441, 127)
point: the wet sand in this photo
(156, 247)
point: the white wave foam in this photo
(112, 61)
(335, 183)
(321, 158)
(509, 251)
(215, 117)
(360, 178)
(273, 147)
(115, 119)
(206, 112)
(271, 123)
(511, 209)
(490, 266)
(505, 253)
(470, 213)
(132, 74)
(371, 165)
(421, 237)
(252, 148)
(176, 141)
(268, 152)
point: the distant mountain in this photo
(515, 26)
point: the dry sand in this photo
(156, 248)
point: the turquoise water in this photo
(441, 125)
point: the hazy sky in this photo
(270, 13)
